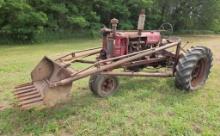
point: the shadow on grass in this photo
(152, 87)
(83, 103)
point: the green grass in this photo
(142, 106)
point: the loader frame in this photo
(123, 53)
(52, 78)
(106, 67)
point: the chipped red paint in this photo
(121, 41)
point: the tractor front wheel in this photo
(103, 85)
(92, 80)
(193, 68)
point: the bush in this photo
(23, 20)
(19, 21)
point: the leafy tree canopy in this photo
(23, 19)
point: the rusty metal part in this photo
(107, 85)
(142, 74)
(38, 94)
(198, 74)
(182, 47)
(177, 56)
(77, 53)
(86, 61)
(114, 23)
(74, 56)
(50, 71)
(183, 50)
(144, 62)
(38, 91)
(28, 96)
(87, 72)
(141, 22)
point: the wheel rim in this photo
(108, 85)
(199, 73)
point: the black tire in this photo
(103, 85)
(193, 68)
(92, 80)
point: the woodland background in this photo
(32, 20)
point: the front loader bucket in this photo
(38, 92)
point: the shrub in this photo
(20, 21)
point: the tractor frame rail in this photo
(102, 66)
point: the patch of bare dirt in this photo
(197, 128)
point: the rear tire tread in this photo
(187, 63)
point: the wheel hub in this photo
(108, 85)
(199, 72)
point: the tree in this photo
(23, 19)
(19, 20)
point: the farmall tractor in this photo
(123, 53)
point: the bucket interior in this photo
(49, 70)
(38, 92)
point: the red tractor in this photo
(123, 53)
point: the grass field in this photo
(142, 106)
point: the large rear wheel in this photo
(193, 68)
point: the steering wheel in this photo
(167, 27)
